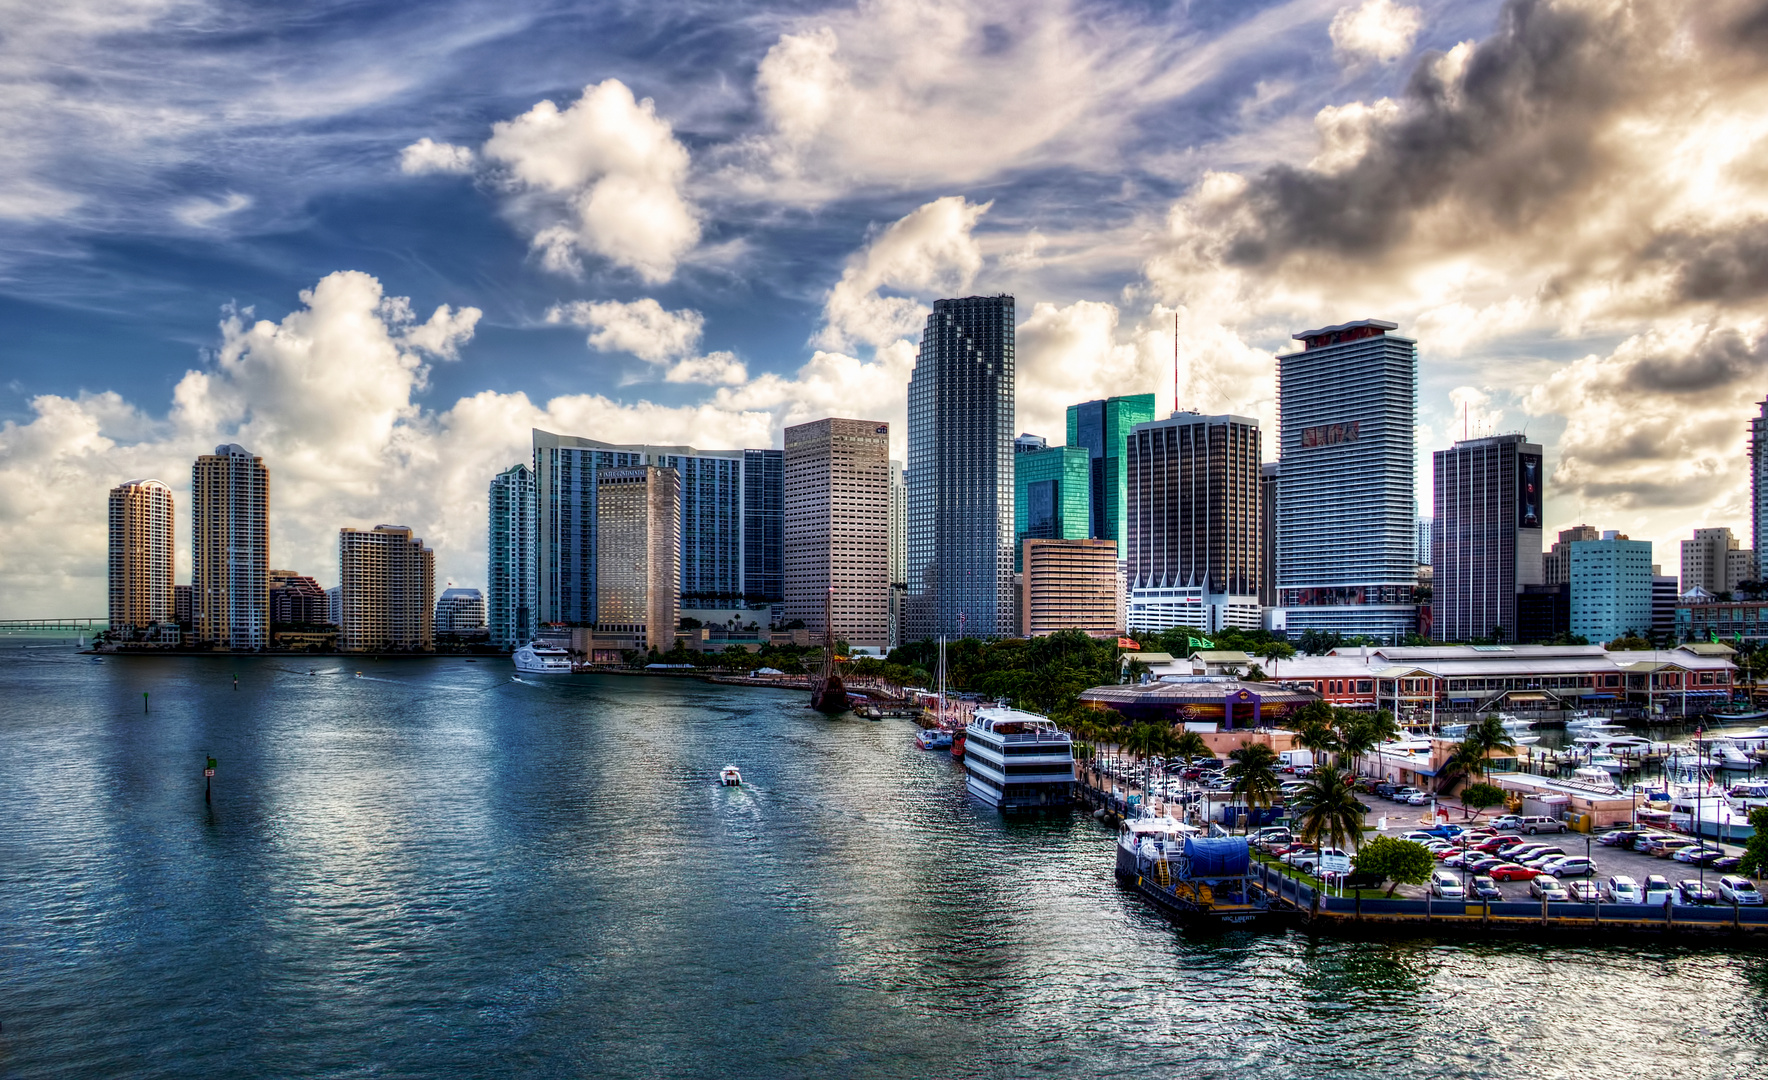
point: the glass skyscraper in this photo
(1103, 427)
(1051, 496)
(512, 606)
(764, 526)
(1346, 515)
(1759, 489)
(1486, 535)
(960, 475)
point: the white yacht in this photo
(1018, 760)
(1749, 795)
(537, 659)
(1705, 811)
(1596, 777)
(1151, 838)
(1724, 754)
(1606, 763)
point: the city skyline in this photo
(791, 264)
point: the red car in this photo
(1497, 842)
(1512, 872)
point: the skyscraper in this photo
(1102, 427)
(1486, 536)
(1556, 565)
(1192, 517)
(1052, 497)
(386, 591)
(961, 420)
(1346, 532)
(230, 549)
(638, 584)
(838, 528)
(142, 560)
(1611, 587)
(511, 571)
(460, 612)
(297, 600)
(1759, 487)
(1069, 585)
(1270, 476)
(1714, 562)
(764, 526)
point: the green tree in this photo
(1403, 862)
(1190, 746)
(1755, 849)
(1272, 651)
(1362, 732)
(1464, 763)
(1482, 796)
(1329, 811)
(1490, 737)
(1252, 768)
(1628, 642)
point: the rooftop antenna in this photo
(1175, 362)
(1464, 421)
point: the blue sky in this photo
(687, 222)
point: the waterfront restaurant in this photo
(1229, 703)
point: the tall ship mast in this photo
(827, 692)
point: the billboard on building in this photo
(1330, 434)
(1528, 491)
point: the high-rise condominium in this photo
(764, 525)
(899, 555)
(1069, 585)
(230, 549)
(1103, 427)
(511, 573)
(1193, 522)
(638, 580)
(961, 420)
(838, 528)
(1346, 539)
(1759, 488)
(1052, 497)
(1270, 476)
(1486, 535)
(297, 600)
(141, 558)
(1713, 561)
(387, 591)
(1611, 583)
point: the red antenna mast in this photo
(1175, 361)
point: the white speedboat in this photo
(1724, 754)
(730, 777)
(1607, 763)
(536, 659)
(1596, 777)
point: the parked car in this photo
(1541, 858)
(1640, 841)
(1419, 835)
(1513, 872)
(1584, 892)
(1728, 863)
(1401, 794)
(1484, 888)
(1547, 887)
(1446, 886)
(1419, 798)
(1385, 790)
(1569, 866)
(1698, 854)
(1618, 838)
(1540, 824)
(1694, 892)
(1507, 823)
(1461, 857)
(1481, 864)
(1500, 841)
(1662, 846)
(1657, 889)
(1738, 890)
(1622, 889)
(1308, 859)
(1523, 848)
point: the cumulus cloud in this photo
(930, 250)
(429, 156)
(1378, 30)
(655, 335)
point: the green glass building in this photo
(1103, 429)
(1051, 496)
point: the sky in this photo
(378, 243)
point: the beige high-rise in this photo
(230, 549)
(1556, 564)
(1714, 561)
(1070, 585)
(141, 556)
(838, 528)
(387, 591)
(638, 554)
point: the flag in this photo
(1200, 643)
(1128, 643)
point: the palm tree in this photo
(1330, 814)
(1190, 746)
(1320, 738)
(1467, 760)
(1253, 770)
(1363, 732)
(1272, 651)
(1489, 736)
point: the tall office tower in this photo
(764, 526)
(1611, 587)
(1759, 488)
(899, 535)
(1714, 562)
(1347, 536)
(1663, 606)
(1052, 497)
(711, 557)
(1069, 584)
(512, 572)
(230, 549)
(460, 612)
(141, 558)
(386, 591)
(297, 600)
(960, 542)
(1270, 476)
(1424, 541)
(1192, 515)
(1486, 539)
(1103, 427)
(638, 584)
(838, 528)
(1556, 565)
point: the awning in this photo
(1602, 697)
(1529, 697)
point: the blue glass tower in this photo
(512, 607)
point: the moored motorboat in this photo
(933, 739)
(730, 777)
(537, 659)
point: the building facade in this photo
(1069, 584)
(1611, 587)
(960, 478)
(1543, 613)
(838, 529)
(512, 570)
(764, 526)
(1270, 484)
(297, 600)
(1716, 562)
(899, 554)
(1486, 535)
(460, 613)
(1052, 496)
(1556, 564)
(1664, 598)
(142, 560)
(638, 587)
(386, 591)
(1424, 540)
(1103, 429)
(230, 549)
(1759, 485)
(1192, 517)
(1346, 528)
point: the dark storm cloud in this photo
(1723, 357)
(1725, 266)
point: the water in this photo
(436, 871)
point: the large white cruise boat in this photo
(1018, 761)
(536, 659)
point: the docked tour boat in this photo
(1018, 761)
(1195, 880)
(933, 739)
(536, 659)
(730, 777)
